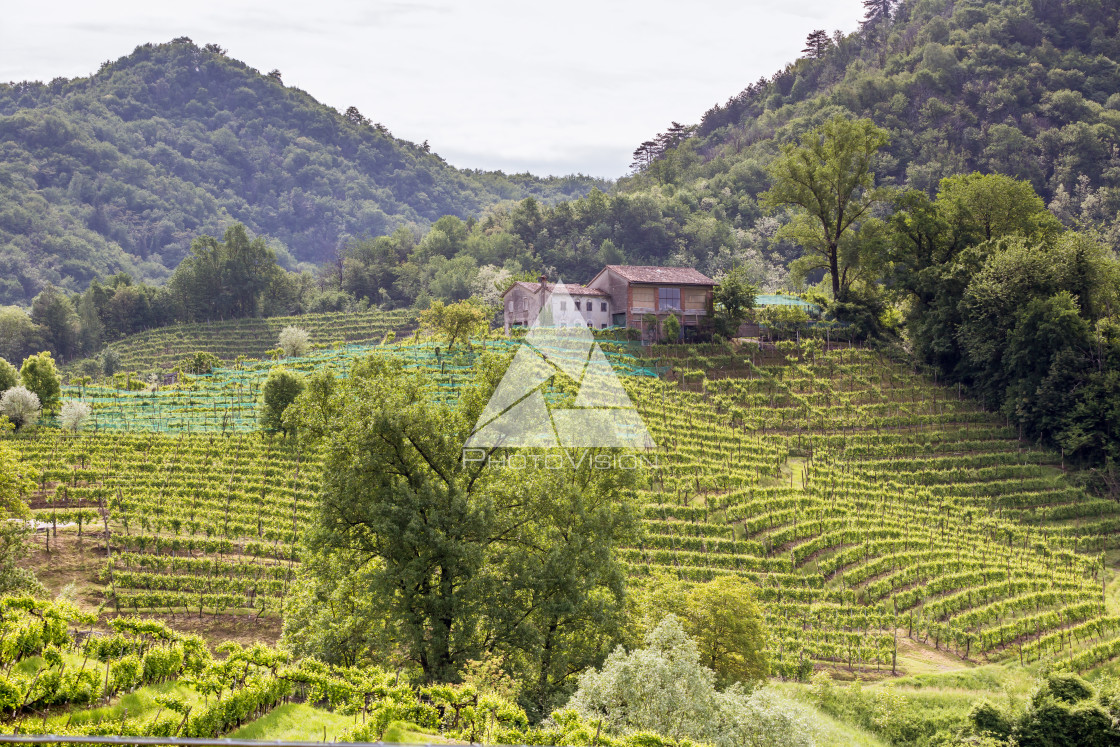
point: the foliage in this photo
(294, 341)
(664, 688)
(440, 535)
(9, 376)
(733, 299)
(1063, 709)
(38, 374)
(73, 415)
(176, 140)
(279, 391)
(671, 328)
(20, 406)
(16, 480)
(828, 176)
(456, 322)
(200, 363)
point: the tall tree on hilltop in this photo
(877, 12)
(817, 44)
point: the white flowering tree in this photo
(21, 406)
(664, 688)
(74, 415)
(294, 341)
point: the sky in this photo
(490, 84)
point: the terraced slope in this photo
(867, 504)
(166, 347)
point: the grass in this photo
(135, 704)
(297, 722)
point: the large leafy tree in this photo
(827, 176)
(224, 279)
(462, 559)
(39, 374)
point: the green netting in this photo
(225, 401)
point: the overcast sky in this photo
(493, 84)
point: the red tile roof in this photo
(648, 274)
(571, 289)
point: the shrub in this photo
(294, 341)
(40, 375)
(21, 406)
(74, 415)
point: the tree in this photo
(9, 376)
(18, 334)
(279, 391)
(733, 298)
(828, 176)
(294, 341)
(54, 313)
(455, 322)
(463, 560)
(40, 375)
(16, 480)
(20, 406)
(73, 415)
(224, 279)
(877, 12)
(665, 688)
(817, 44)
(723, 619)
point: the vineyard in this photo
(51, 656)
(166, 347)
(868, 505)
(225, 401)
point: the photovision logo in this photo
(519, 416)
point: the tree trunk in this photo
(834, 268)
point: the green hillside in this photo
(891, 528)
(1000, 86)
(121, 170)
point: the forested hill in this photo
(121, 170)
(1028, 88)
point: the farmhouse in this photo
(619, 296)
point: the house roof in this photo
(571, 289)
(650, 274)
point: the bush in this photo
(665, 689)
(294, 341)
(21, 406)
(280, 390)
(74, 415)
(40, 375)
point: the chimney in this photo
(543, 279)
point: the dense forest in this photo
(120, 171)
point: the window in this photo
(603, 325)
(668, 298)
(577, 304)
(590, 325)
(563, 305)
(603, 308)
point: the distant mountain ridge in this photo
(121, 170)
